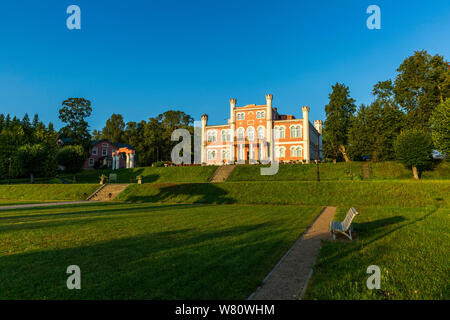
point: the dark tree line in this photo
(417, 99)
(151, 139)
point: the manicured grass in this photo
(389, 170)
(394, 170)
(345, 193)
(299, 172)
(151, 174)
(43, 192)
(410, 245)
(145, 251)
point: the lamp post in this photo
(9, 172)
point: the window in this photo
(279, 133)
(91, 162)
(240, 116)
(212, 155)
(296, 131)
(260, 114)
(280, 152)
(261, 133)
(95, 151)
(105, 145)
(226, 135)
(226, 154)
(241, 134)
(282, 135)
(251, 133)
(296, 152)
(104, 152)
(212, 136)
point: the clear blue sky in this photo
(140, 58)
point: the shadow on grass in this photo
(182, 264)
(100, 211)
(187, 192)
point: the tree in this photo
(413, 148)
(72, 158)
(74, 113)
(32, 159)
(440, 127)
(423, 82)
(336, 126)
(114, 129)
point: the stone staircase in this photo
(107, 192)
(222, 173)
(365, 170)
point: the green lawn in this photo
(410, 245)
(145, 251)
(338, 193)
(45, 192)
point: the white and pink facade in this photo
(254, 132)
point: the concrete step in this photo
(222, 173)
(109, 192)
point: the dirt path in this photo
(290, 276)
(47, 204)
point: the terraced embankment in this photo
(334, 193)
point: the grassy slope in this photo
(394, 170)
(44, 192)
(145, 251)
(338, 171)
(299, 172)
(410, 246)
(346, 193)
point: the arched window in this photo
(226, 135)
(299, 131)
(251, 133)
(282, 135)
(260, 114)
(241, 116)
(212, 155)
(212, 136)
(296, 131)
(226, 154)
(296, 152)
(261, 133)
(241, 134)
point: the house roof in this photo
(118, 145)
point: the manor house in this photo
(254, 131)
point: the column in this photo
(306, 133)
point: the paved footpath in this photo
(47, 204)
(288, 280)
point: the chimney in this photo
(269, 99)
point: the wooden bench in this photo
(345, 227)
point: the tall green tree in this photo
(338, 111)
(413, 147)
(73, 113)
(440, 127)
(422, 83)
(114, 129)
